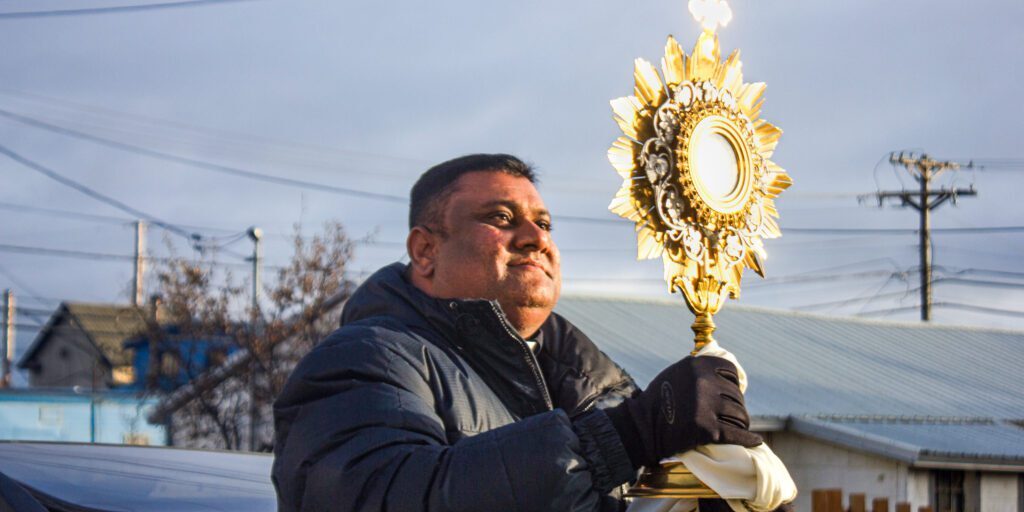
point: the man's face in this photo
(497, 244)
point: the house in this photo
(82, 346)
(926, 414)
(111, 416)
(179, 358)
(106, 346)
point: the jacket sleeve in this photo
(357, 430)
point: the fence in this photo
(831, 500)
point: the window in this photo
(956, 491)
(949, 491)
(169, 365)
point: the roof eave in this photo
(850, 438)
(968, 463)
(912, 455)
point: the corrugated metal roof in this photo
(923, 441)
(802, 364)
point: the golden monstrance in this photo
(698, 184)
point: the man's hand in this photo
(692, 402)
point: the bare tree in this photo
(227, 399)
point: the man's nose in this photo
(533, 237)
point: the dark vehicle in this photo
(37, 476)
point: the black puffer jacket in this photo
(419, 403)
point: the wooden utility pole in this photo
(140, 263)
(7, 347)
(924, 200)
(256, 235)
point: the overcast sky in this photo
(366, 95)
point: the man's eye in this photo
(502, 218)
(545, 225)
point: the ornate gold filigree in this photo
(697, 179)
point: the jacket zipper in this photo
(530, 358)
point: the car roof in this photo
(129, 478)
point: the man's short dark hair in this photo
(431, 192)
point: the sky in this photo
(155, 108)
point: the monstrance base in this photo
(671, 480)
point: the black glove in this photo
(719, 505)
(695, 401)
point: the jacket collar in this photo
(475, 329)
(572, 371)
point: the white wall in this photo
(818, 465)
(919, 487)
(999, 492)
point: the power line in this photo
(948, 305)
(22, 208)
(847, 302)
(905, 293)
(68, 182)
(102, 256)
(25, 249)
(978, 282)
(21, 285)
(18, 282)
(980, 271)
(232, 235)
(25, 327)
(99, 256)
(803, 278)
(114, 9)
(224, 169)
(246, 141)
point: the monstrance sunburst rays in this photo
(698, 182)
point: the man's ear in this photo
(422, 247)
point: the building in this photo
(81, 345)
(114, 417)
(920, 413)
(179, 358)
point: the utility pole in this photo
(256, 235)
(140, 262)
(924, 200)
(7, 348)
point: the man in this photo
(451, 385)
